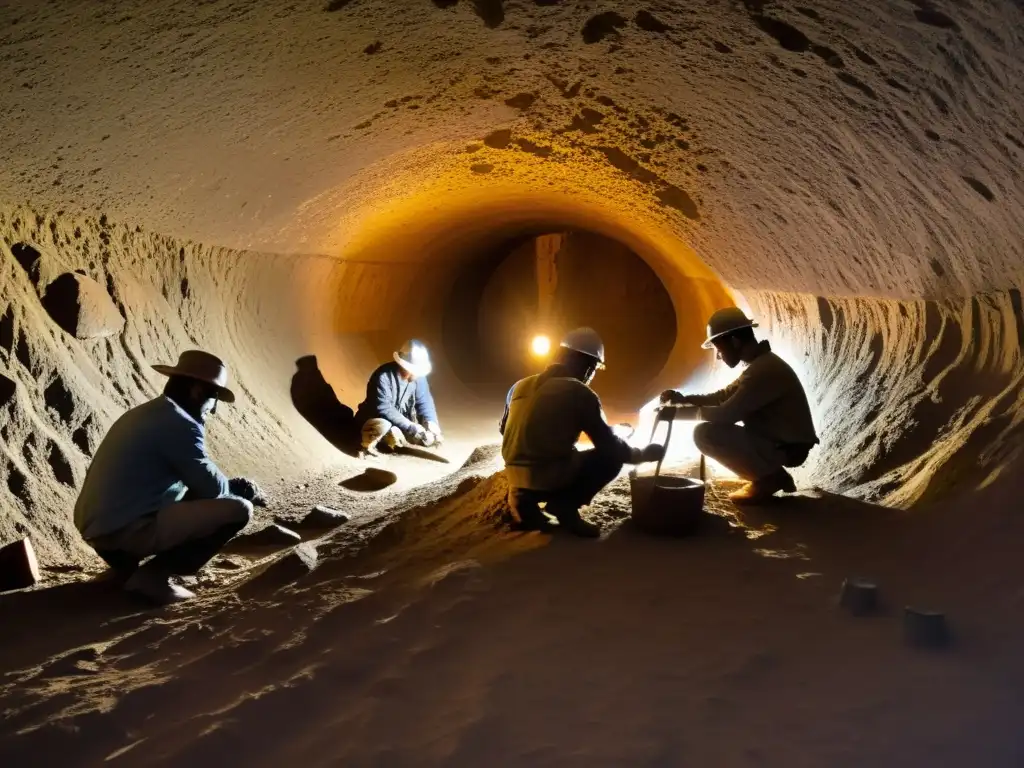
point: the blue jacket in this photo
(403, 403)
(149, 458)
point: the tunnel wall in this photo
(850, 166)
(915, 400)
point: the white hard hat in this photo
(414, 358)
(587, 342)
(726, 321)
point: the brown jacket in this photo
(767, 397)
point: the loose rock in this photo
(18, 566)
(324, 517)
(287, 569)
(82, 307)
(859, 597)
(273, 535)
(925, 629)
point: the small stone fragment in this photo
(287, 569)
(324, 517)
(82, 307)
(18, 566)
(859, 597)
(925, 629)
(272, 536)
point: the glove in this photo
(671, 397)
(435, 429)
(653, 452)
(246, 489)
(421, 437)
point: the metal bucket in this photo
(667, 506)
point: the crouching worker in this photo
(777, 430)
(399, 408)
(544, 416)
(131, 504)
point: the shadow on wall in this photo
(316, 402)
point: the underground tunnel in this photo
(299, 188)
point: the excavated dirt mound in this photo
(432, 635)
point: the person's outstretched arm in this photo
(600, 433)
(748, 395)
(426, 411)
(674, 397)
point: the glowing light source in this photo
(540, 346)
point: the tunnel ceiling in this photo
(847, 147)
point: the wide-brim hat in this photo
(201, 366)
(414, 358)
(418, 370)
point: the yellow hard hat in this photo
(726, 321)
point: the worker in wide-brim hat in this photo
(544, 416)
(399, 407)
(777, 429)
(153, 490)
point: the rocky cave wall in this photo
(848, 170)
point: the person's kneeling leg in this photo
(595, 470)
(372, 432)
(751, 457)
(525, 505)
(188, 535)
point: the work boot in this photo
(540, 523)
(570, 520)
(155, 586)
(764, 489)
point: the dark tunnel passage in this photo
(537, 287)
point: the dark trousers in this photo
(184, 560)
(596, 469)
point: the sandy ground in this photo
(444, 639)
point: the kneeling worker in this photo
(777, 430)
(132, 504)
(544, 416)
(399, 408)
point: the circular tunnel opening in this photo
(512, 302)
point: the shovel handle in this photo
(668, 438)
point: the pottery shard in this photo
(82, 307)
(18, 566)
(324, 517)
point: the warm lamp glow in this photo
(540, 346)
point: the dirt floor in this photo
(430, 634)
